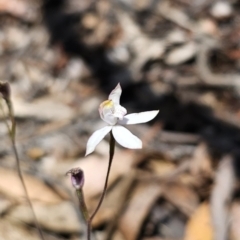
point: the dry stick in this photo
(111, 154)
(205, 73)
(12, 137)
(221, 196)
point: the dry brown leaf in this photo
(199, 226)
(118, 236)
(141, 45)
(208, 26)
(10, 186)
(44, 108)
(59, 218)
(5, 204)
(235, 221)
(157, 238)
(188, 179)
(110, 207)
(201, 162)
(10, 231)
(181, 54)
(35, 153)
(95, 169)
(143, 198)
(161, 168)
(18, 8)
(181, 196)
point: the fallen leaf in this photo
(199, 226)
(59, 218)
(201, 163)
(181, 54)
(235, 221)
(35, 153)
(118, 236)
(20, 9)
(10, 231)
(44, 108)
(10, 186)
(110, 207)
(143, 198)
(95, 169)
(160, 167)
(5, 204)
(181, 196)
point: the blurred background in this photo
(63, 57)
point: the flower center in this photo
(110, 112)
(107, 104)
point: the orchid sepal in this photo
(136, 118)
(96, 138)
(125, 138)
(116, 94)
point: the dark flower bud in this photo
(77, 177)
(5, 90)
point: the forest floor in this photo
(63, 58)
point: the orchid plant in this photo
(115, 116)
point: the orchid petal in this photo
(106, 110)
(116, 94)
(119, 111)
(96, 138)
(136, 118)
(125, 138)
(109, 118)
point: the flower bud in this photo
(77, 177)
(5, 90)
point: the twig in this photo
(25, 189)
(176, 16)
(206, 44)
(210, 78)
(221, 196)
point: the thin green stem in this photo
(82, 204)
(12, 134)
(111, 154)
(25, 189)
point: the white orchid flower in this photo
(115, 116)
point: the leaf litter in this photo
(180, 57)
